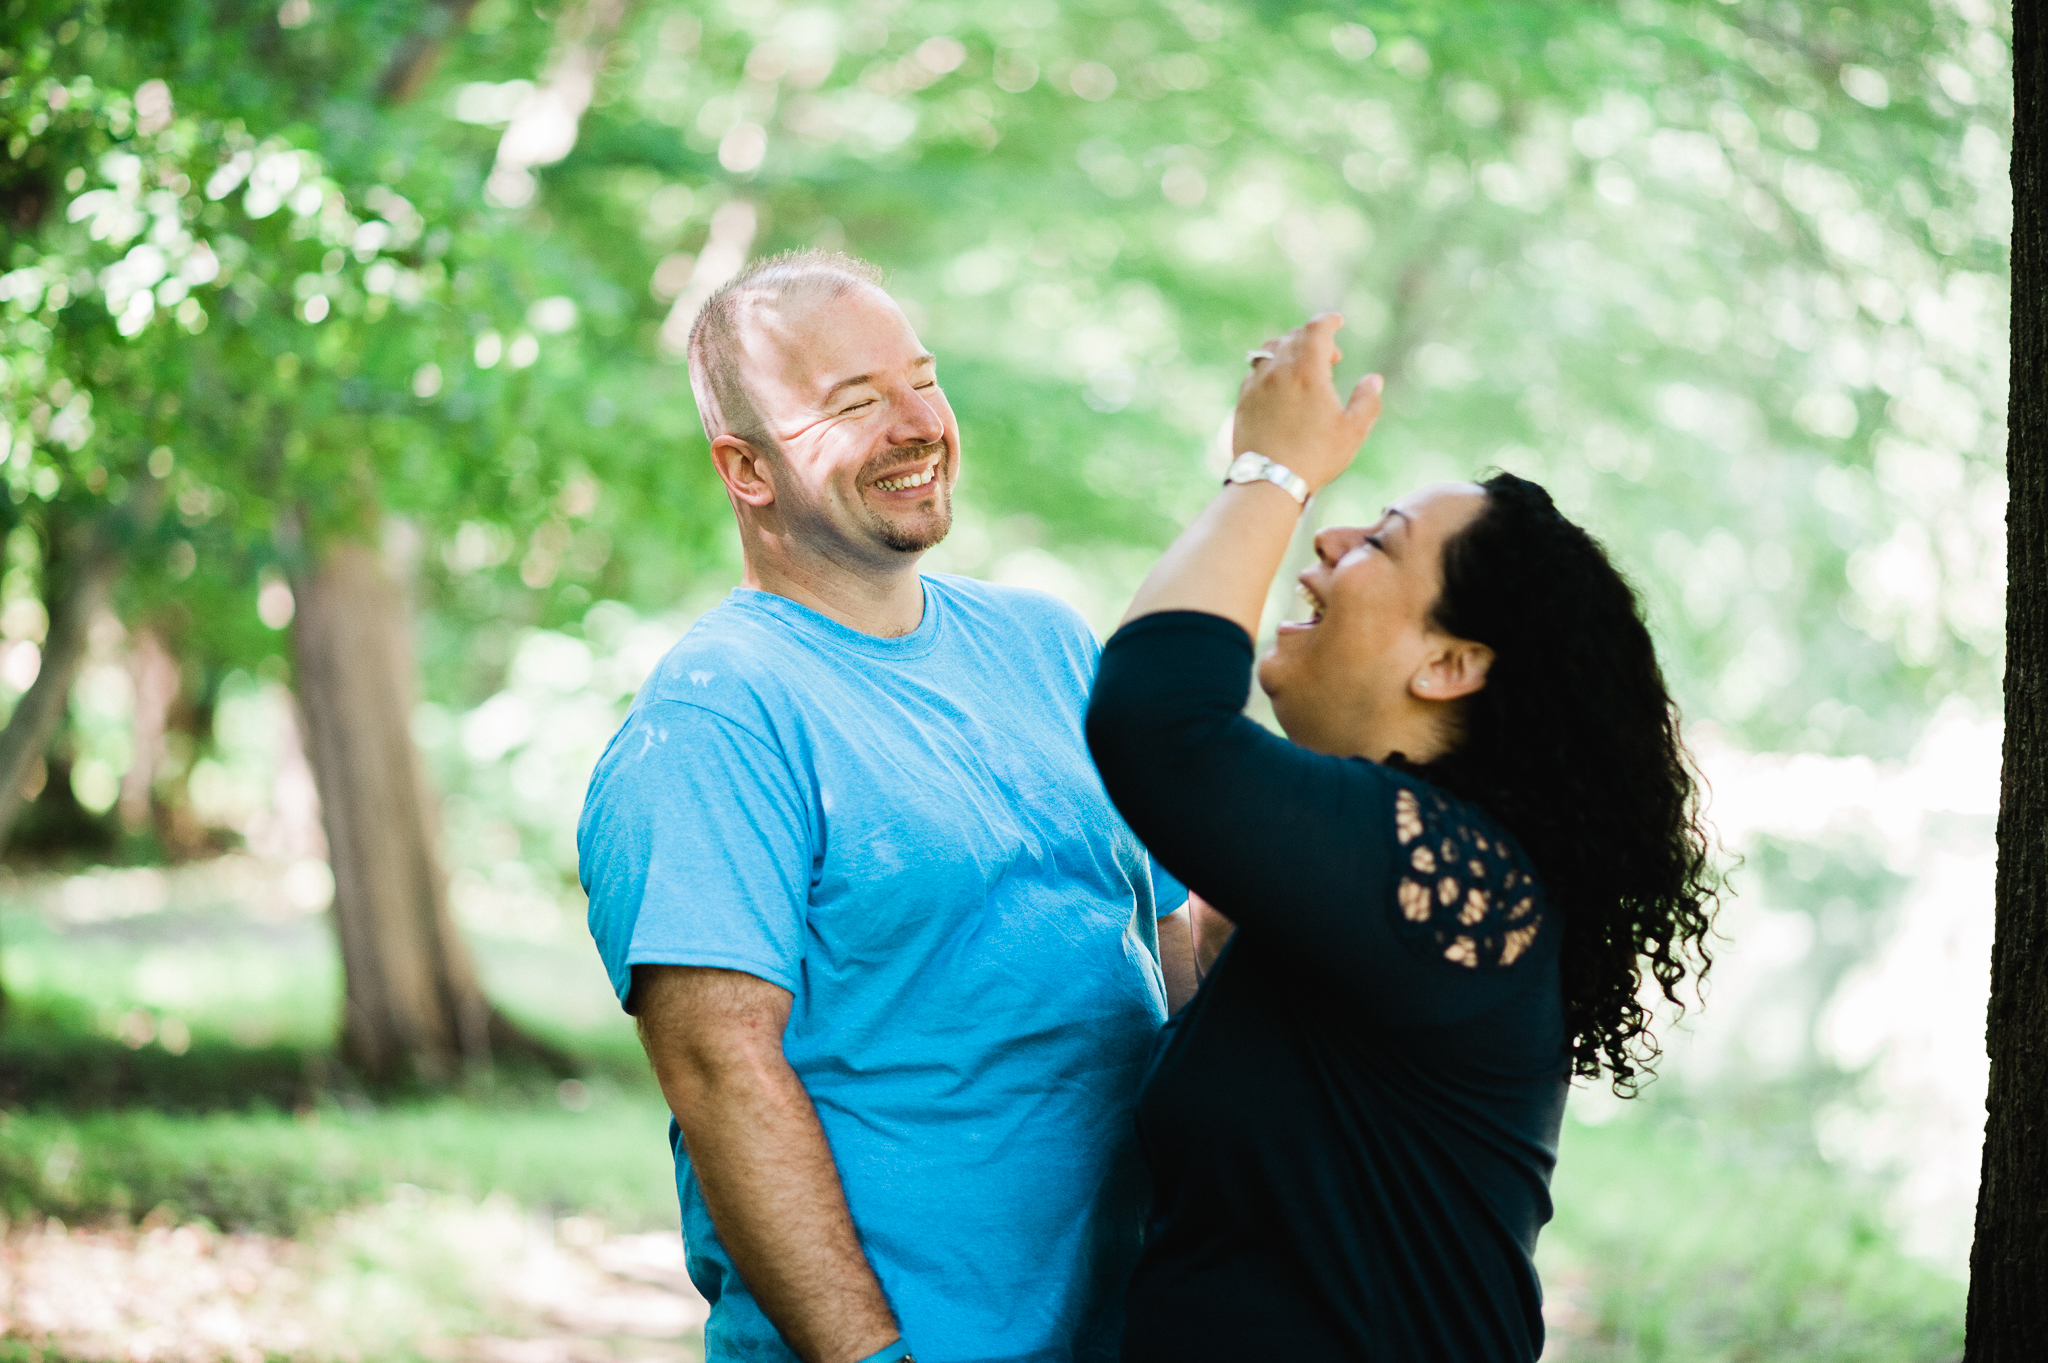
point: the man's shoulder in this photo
(723, 685)
(731, 653)
(728, 681)
(994, 603)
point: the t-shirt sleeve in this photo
(1407, 900)
(1168, 894)
(695, 848)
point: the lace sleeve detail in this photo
(1465, 893)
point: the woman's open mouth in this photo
(1314, 603)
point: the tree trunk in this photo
(155, 675)
(414, 1008)
(77, 582)
(2008, 1311)
(87, 577)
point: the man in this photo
(892, 951)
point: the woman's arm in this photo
(1334, 863)
(1303, 850)
(1289, 412)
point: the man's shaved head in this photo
(828, 427)
(718, 336)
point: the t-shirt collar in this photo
(826, 630)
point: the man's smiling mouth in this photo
(908, 480)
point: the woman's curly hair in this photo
(1573, 745)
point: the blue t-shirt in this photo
(909, 836)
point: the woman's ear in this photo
(744, 470)
(1456, 669)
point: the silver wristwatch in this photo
(1253, 467)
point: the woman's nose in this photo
(1337, 541)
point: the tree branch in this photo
(416, 59)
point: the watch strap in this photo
(1253, 467)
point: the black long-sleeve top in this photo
(1351, 1127)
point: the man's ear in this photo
(1457, 668)
(745, 470)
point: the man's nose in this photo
(917, 420)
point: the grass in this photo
(1702, 1234)
(181, 1062)
(265, 1170)
(1676, 1243)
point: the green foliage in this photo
(1671, 1244)
(51, 1056)
(21, 1351)
(1728, 277)
(183, 1060)
(200, 1006)
(235, 1171)
(272, 1171)
(1665, 1246)
(117, 971)
(1701, 1232)
(248, 285)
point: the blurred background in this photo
(347, 455)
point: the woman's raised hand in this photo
(1288, 409)
(1289, 412)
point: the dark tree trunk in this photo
(85, 578)
(2008, 1312)
(414, 1009)
(81, 575)
(79, 579)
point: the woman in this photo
(1445, 888)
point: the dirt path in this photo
(421, 1276)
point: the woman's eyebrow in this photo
(1386, 524)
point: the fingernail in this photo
(1374, 383)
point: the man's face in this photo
(869, 446)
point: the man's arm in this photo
(760, 1157)
(1177, 958)
(1211, 931)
